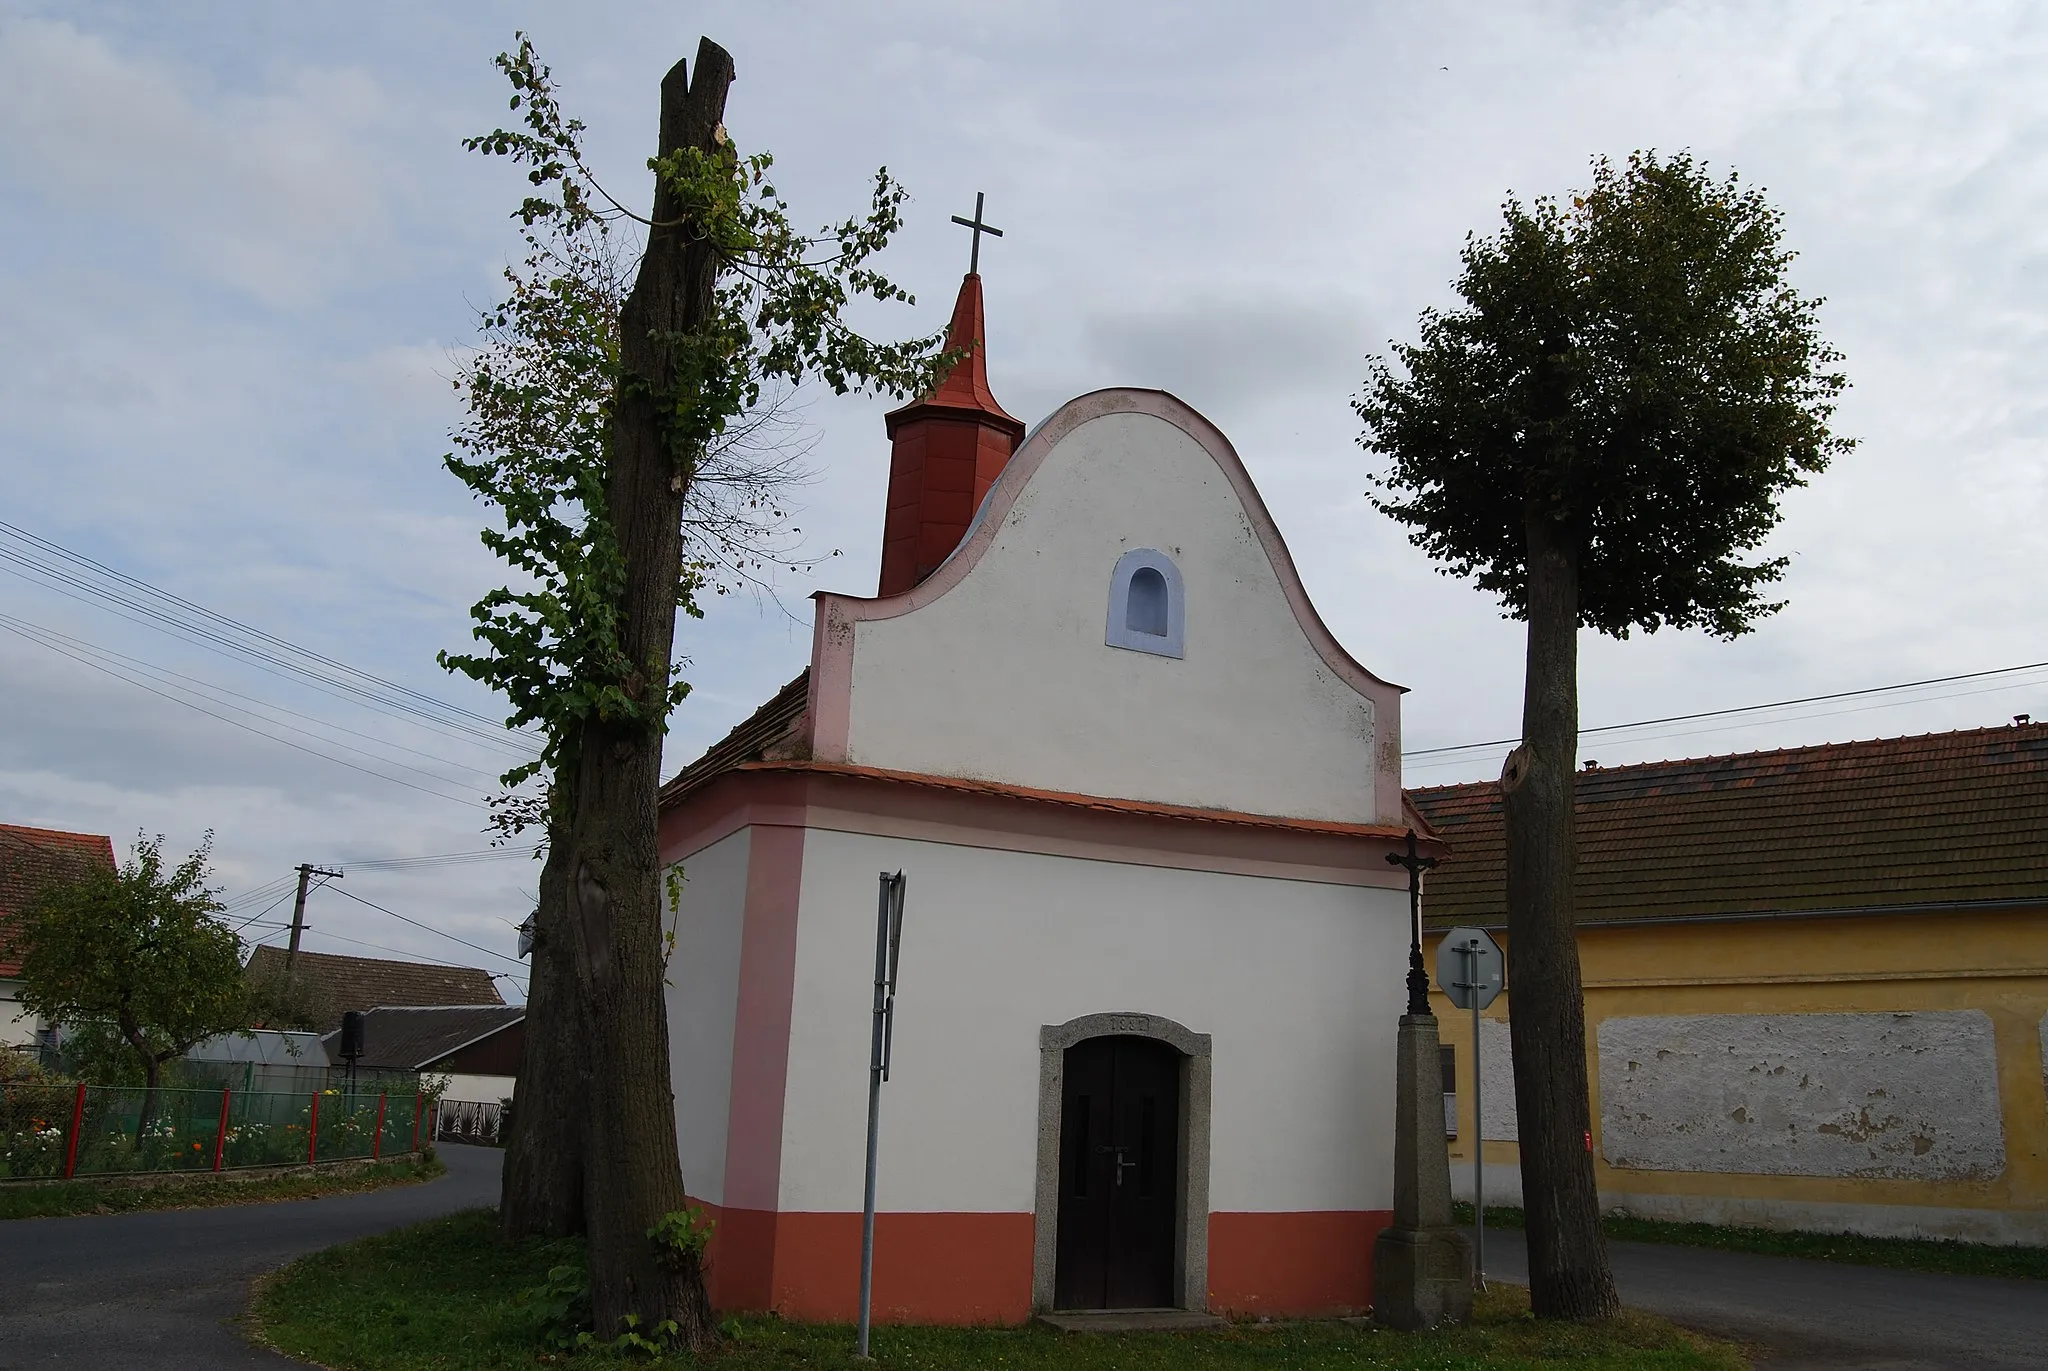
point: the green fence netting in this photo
(59, 1131)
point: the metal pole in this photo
(220, 1137)
(876, 1064)
(77, 1124)
(1478, 1124)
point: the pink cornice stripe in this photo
(832, 640)
(1186, 813)
(760, 1042)
(973, 814)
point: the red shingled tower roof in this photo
(947, 449)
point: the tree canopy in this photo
(1599, 436)
(1631, 365)
(542, 394)
(142, 950)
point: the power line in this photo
(80, 577)
(199, 686)
(289, 892)
(477, 947)
(437, 859)
(117, 674)
(68, 646)
(1750, 709)
(399, 952)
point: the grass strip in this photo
(445, 1295)
(64, 1198)
(1903, 1254)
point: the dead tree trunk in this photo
(633, 1178)
(542, 1194)
(1569, 1276)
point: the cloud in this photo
(1224, 354)
(266, 191)
(238, 255)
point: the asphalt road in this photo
(1823, 1316)
(156, 1291)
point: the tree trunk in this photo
(633, 1178)
(542, 1193)
(152, 1073)
(1569, 1276)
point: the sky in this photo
(242, 253)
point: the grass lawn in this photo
(445, 1295)
(1906, 1254)
(62, 1198)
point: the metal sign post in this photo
(1471, 971)
(888, 945)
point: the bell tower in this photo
(947, 448)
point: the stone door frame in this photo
(1191, 1231)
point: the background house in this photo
(476, 1047)
(325, 984)
(1816, 984)
(30, 859)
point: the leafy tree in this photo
(142, 954)
(1599, 435)
(589, 431)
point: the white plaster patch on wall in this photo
(1497, 1076)
(1891, 1096)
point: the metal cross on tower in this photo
(1418, 979)
(974, 256)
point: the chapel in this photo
(1152, 948)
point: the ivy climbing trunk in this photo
(542, 1194)
(632, 1175)
(1569, 1275)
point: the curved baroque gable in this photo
(1229, 691)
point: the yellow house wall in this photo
(1993, 962)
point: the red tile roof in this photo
(333, 983)
(769, 731)
(1895, 823)
(32, 858)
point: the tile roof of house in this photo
(766, 734)
(335, 983)
(32, 858)
(1901, 823)
(415, 1037)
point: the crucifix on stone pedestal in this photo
(1422, 1265)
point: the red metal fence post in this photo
(419, 1106)
(377, 1143)
(77, 1123)
(220, 1137)
(313, 1130)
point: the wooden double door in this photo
(1120, 1184)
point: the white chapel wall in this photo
(1006, 676)
(703, 997)
(1299, 984)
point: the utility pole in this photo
(306, 873)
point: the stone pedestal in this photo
(1422, 1266)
